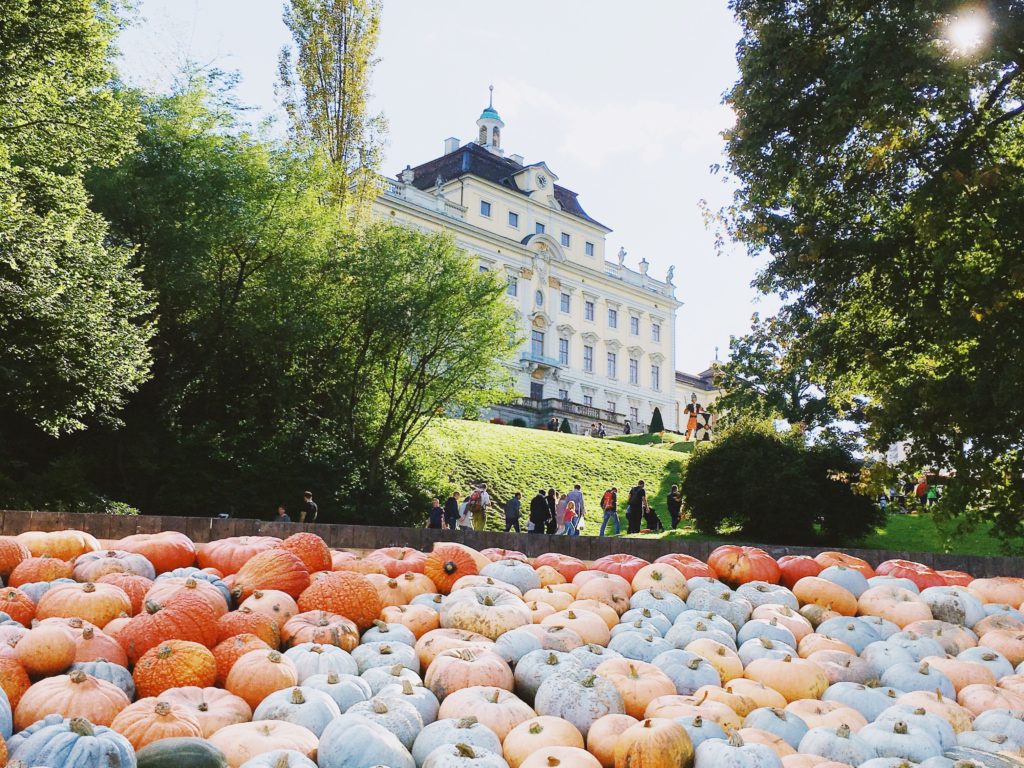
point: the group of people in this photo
(920, 491)
(308, 510)
(555, 512)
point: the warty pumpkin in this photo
(185, 616)
(173, 664)
(17, 605)
(91, 566)
(133, 585)
(277, 569)
(167, 587)
(347, 594)
(310, 549)
(246, 621)
(37, 569)
(227, 652)
(12, 553)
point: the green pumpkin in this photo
(180, 752)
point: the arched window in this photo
(483, 135)
(496, 137)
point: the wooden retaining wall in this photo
(202, 529)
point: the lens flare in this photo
(968, 30)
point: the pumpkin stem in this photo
(332, 678)
(900, 727)
(647, 723)
(396, 670)
(494, 696)
(698, 722)
(438, 598)
(923, 669)
(274, 656)
(407, 687)
(700, 626)
(553, 761)
(735, 740)
(81, 726)
(78, 676)
(488, 601)
(466, 722)
(203, 706)
(536, 728)
(88, 587)
(552, 659)
(88, 633)
(450, 567)
(766, 643)
(297, 697)
(379, 707)
(385, 650)
(843, 731)
(164, 651)
(694, 663)
(152, 606)
(162, 709)
(382, 626)
(588, 681)
(466, 751)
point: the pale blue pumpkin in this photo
(769, 629)
(109, 671)
(591, 656)
(346, 690)
(537, 666)
(454, 731)
(787, 726)
(687, 670)
(848, 578)
(838, 744)
(918, 677)
(700, 729)
(850, 630)
(639, 646)
(655, 617)
(869, 701)
(382, 632)
(56, 742)
(901, 740)
(352, 741)
(666, 603)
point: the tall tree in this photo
(325, 87)
(879, 150)
(73, 314)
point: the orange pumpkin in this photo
(167, 550)
(1010, 644)
(539, 733)
(496, 708)
(13, 679)
(98, 604)
(257, 674)
(654, 744)
(612, 591)
(999, 589)
(228, 651)
(275, 604)
(241, 742)
(456, 669)
(826, 714)
(605, 611)
(566, 565)
(495, 554)
(418, 619)
(274, 569)
(12, 552)
(17, 605)
(793, 678)
(151, 719)
(173, 664)
(961, 673)
(399, 560)
(735, 565)
(725, 660)
(549, 576)
(347, 594)
(228, 555)
(980, 698)
(185, 616)
(813, 590)
(660, 576)
(895, 604)
(74, 695)
(626, 566)
(604, 735)
(562, 757)
(637, 682)
(43, 568)
(322, 628)
(795, 567)
(166, 588)
(588, 625)
(956, 578)
(437, 641)
(922, 575)
(62, 545)
(93, 644)
(133, 585)
(827, 559)
(688, 565)
(48, 649)
(212, 707)
(310, 549)
(447, 563)
(247, 621)
(759, 693)
(786, 617)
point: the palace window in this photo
(588, 310)
(538, 228)
(634, 371)
(565, 240)
(537, 343)
(513, 219)
(513, 286)
(634, 414)
(588, 359)
(588, 400)
(611, 406)
(563, 351)
(588, 249)
(611, 365)
(634, 326)
(564, 302)
(655, 331)
(484, 268)
(539, 298)
(485, 209)
(655, 377)
(563, 394)
(613, 318)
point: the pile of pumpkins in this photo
(257, 652)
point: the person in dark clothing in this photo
(309, 509)
(635, 507)
(451, 511)
(282, 515)
(652, 520)
(436, 518)
(513, 509)
(539, 513)
(675, 505)
(551, 524)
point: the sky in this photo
(623, 102)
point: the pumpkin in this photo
(637, 682)
(12, 553)
(827, 559)
(320, 627)
(96, 603)
(687, 565)
(399, 560)
(246, 621)
(383, 632)
(307, 707)
(1008, 643)
(358, 565)
(185, 616)
(956, 578)
(17, 605)
(785, 617)
(922, 575)
(514, 572)
(466, 730)
(792, 568)
(230, 554)
(347, 594)
(999, 589)
(133, 585)
(900, 606)
(626, 566)
(166, 587)
(352, 740)
(243, 741)
(494, 554)
(736, 565)
(611, 591)
(13, 679)
(36, 569)
(979, 698)
(498, 709)
(417, 618)
(73, 695)
(562, 757)
(400, 717)
(173, 664)
(62, 545)
(151, 719)
(539, 733)
(166, 550)
(274, 569)
(814, 590)
(93, 645)
(588, 625)
(259, 673)
(274, 603)
(435, 642)
(604, 735)
(447, 563)
(793, 678)
(312, 659)
(556, 599)
(310, 549)
(566, 565)
(213, 708)
(549, 576)
(280, 758)
(48, 649)
(839, 744)
(456, 669)
(227, 652)
(181, 751)
(52, 738)
(450, 755)
(725, 660)
(91, 566)
(108, 671)
(937, 704)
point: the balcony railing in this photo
(556, 405)
(408, 192)
(548, 362)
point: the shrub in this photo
(565, 427)
(657, 424)
(775, 489)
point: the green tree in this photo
(565, 427)
(657, 423)
(880, 167)
(74, 318)
(325, 88)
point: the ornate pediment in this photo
(590, 337)
(566, 330)
(613, 345)
(636, 352)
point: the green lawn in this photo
(666, 440)
(453, 454)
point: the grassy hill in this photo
(455, 454)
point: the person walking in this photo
(435, 518)
(451, 511)
(560, 505)
(576, 497)
(610, 505)
(674, 503)
(477, 503)
(539, 513)
(513, 510)
(932, 494)
(282, 515)
(552, 524)
(309, 510)
(568, 516)
(635, 507)
(626, 429)
(921, 491)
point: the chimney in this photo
(518, 159)
(451, 144)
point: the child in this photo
(568, 517)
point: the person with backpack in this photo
(635, 507)
(609, 503)
(674, 503)
(477, 504)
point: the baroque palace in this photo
(599, 335)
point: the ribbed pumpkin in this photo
(93, 644)
(435, 642)
(539, 733)
(12, 552)
(73, 695)
(417, 618)
(91, 566)
(184, 617)
(399, 560)
(830, 558)
(133, 585)
(566, 565)
(637, 682)
(347, 594)
(654, 744)
(214, 708)
(604, 735)
(98, 604)
(230, 554)
(498, 709)
(560, 757)
(44, 568)
(152, 719)
(814, 590)
(166, 550)
(626, 566)
(241, 742)
(448, 563)
(228, 651)
(92, 746)
(48, 649)
(310, 549)
(17, 605)
(793, 678)
(321, 627)
(274, 603)
(174, 664)
(736, 565)
(258, 674)
(356, 564)
(454, 670)
(274, 569)
(247, 621)
(63, 545)
(165, 588)
(13, 679)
